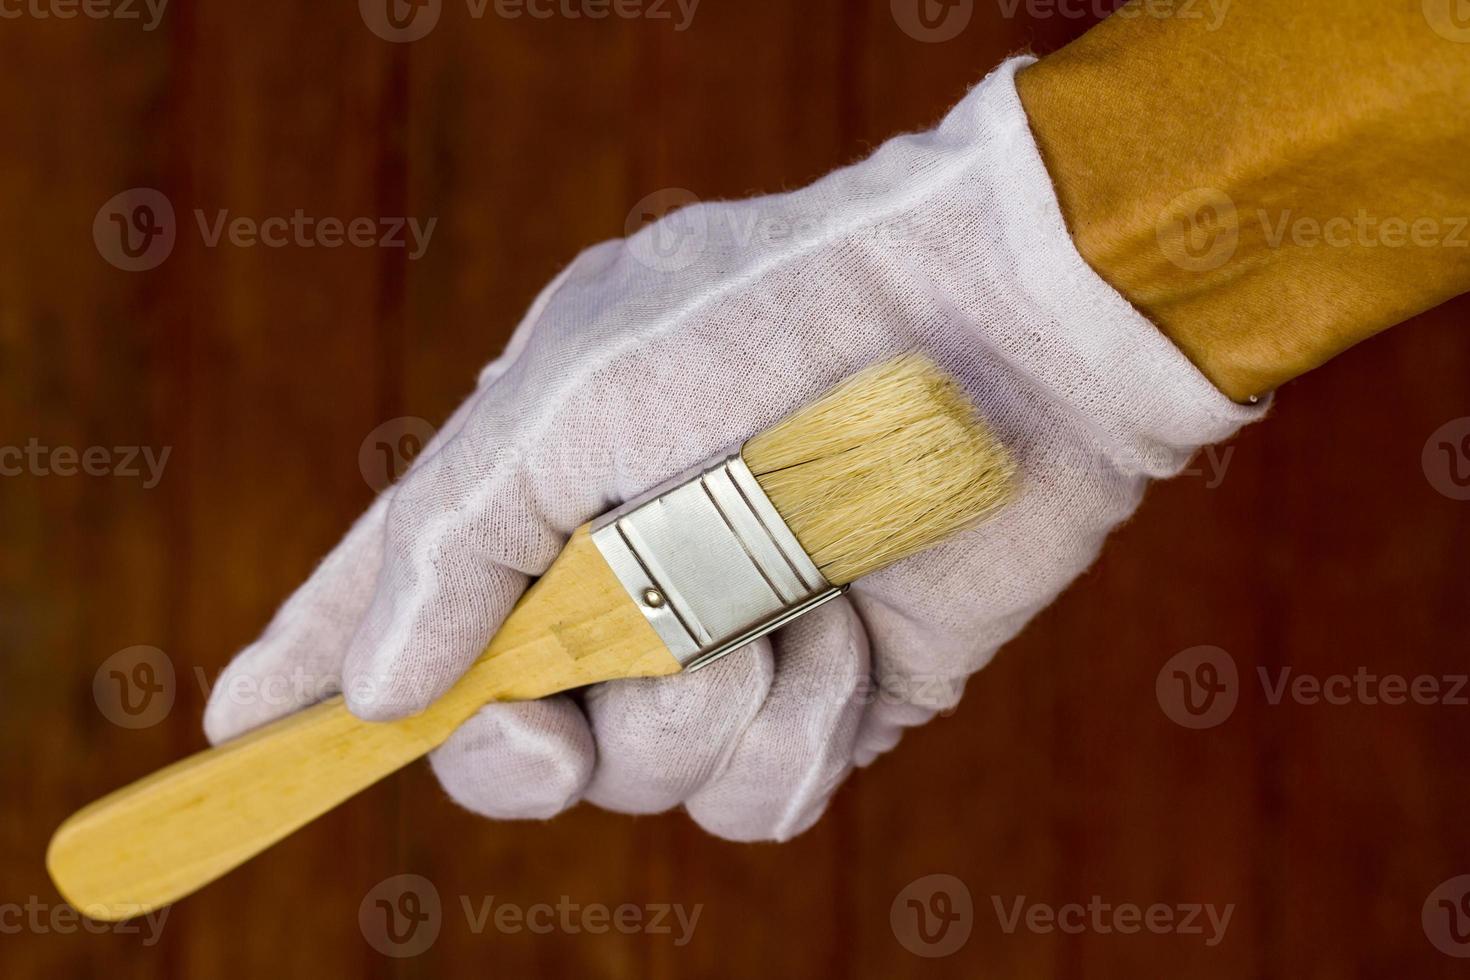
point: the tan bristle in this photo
(887, 463)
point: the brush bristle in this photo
(887, 463)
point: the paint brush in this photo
(886, 464)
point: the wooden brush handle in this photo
(164, 836)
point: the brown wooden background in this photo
(1324, 548)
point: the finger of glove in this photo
(297, 661)
(794, 754)
(878, 736)
(938, 617)
(921, 654)
(661, 739)
(463, 535)
(891, 711)
(518, 760)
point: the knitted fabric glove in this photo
(651, 354)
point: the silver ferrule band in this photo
(709, 561)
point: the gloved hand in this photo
(651, 354)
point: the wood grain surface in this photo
(1320, 545)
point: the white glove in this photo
(651, 354)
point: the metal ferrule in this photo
(710, 561)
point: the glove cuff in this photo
(969, 211)
(1081, 339)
